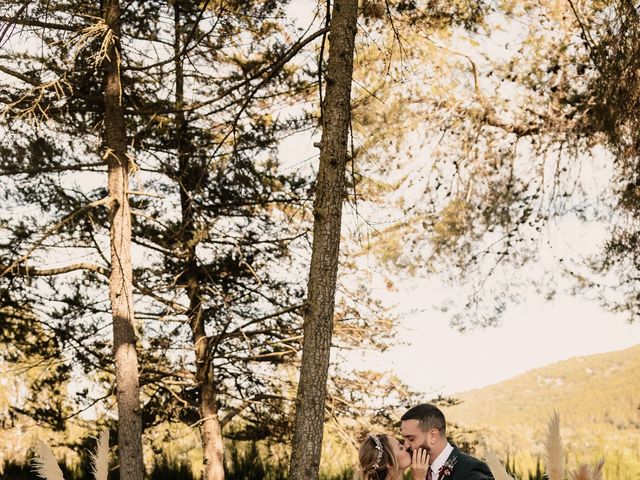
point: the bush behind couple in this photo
(425, 449)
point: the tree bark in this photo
(330, 186)
(120, 281)
(189, 177)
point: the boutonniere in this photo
(447, 468)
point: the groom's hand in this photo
(419, 464)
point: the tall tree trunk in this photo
(189, 176)
(120, 281)
(327, 210)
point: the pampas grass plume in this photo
(554, 454)
(582, 473)
(46, 465)
(597, 470)
(496, 467)
(587, 472)
(100, 459)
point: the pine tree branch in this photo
(275, 69)
(168, 60)
(256, 398)
(11, 23)
(489, 116)
(52, 231)
(62, 168)
(521, 130)
(272, 69)
(271, 357)
(293, 308)
(20, 76)
(87, 407)
(170, 303)
(37, 23)
(27, 271)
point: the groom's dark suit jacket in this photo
(467, 467)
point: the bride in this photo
(382, 457)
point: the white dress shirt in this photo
(440, 460)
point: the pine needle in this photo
(554, 454)
(496, 467)
(100, 459)
(46, 465)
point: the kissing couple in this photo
(424, 448)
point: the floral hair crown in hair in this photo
(378, 445)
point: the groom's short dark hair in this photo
(429, 416)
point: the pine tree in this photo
(215, 252)
(327, 211)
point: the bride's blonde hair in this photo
(376, 456)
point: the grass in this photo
(241, 465)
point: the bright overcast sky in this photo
(434, 358)
(438, 359)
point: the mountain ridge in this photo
(594, 356)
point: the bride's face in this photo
(402, 456)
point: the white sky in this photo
(438, 359)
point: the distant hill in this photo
(598, 398)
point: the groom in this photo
(423, 426)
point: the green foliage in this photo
(13, 470)
(514, 469)
(248, 464)
(168, 468)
